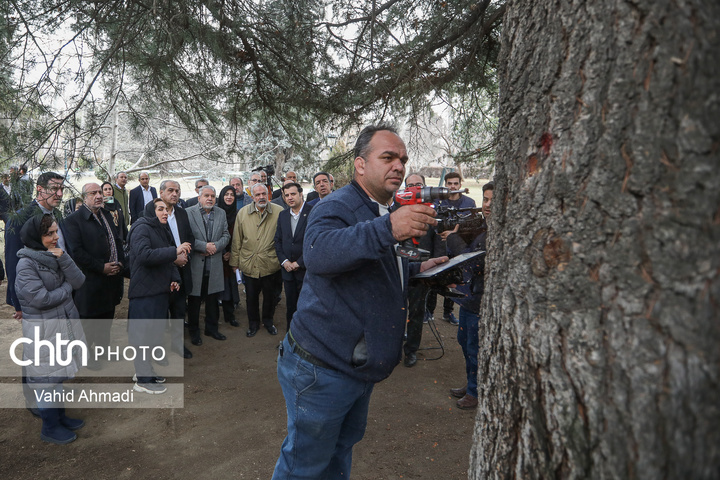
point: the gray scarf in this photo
(43, 257)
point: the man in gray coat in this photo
(209, 226)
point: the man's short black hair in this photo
(362, 144)
(288, 185)
(321, 173)
(489, 186)
(45, 178)
(453, 175)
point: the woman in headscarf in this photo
(230, 296)
(72, 205)
(46, 278)
(153, 275)
(116, 211)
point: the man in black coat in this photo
(289, 245)
(49, 195)
(179, 226)
(97, 249)
(141, 196)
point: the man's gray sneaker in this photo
(151, 388)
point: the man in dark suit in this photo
(141, 196)
(289, 244)
(97, 249)
(179, 226)
(199, 183)
(321, 182)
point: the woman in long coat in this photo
(230, 296)
(116, 211)
(153, 275)
(46, 278)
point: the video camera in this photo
(269, 169)
(471, 221)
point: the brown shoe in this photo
(468, 402)
(458, 392)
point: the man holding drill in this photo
(347, 332)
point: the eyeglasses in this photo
(411, 185)
(54, 188)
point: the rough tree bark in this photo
(600, 332)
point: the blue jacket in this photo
(473, 275)
(352, 289)
(462, 202)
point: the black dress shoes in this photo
(195, 339)
(410, 359)
(271, 329)
(251, 332)
(234, 323)
(187, 353)
(215, 335)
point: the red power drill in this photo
(420, 196)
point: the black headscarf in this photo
(70, 206)
(111, 205)
(30, 232)
(230, 210)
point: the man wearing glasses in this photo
(102, 262)
(49, 195)
(418, 311)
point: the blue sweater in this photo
(353, 289)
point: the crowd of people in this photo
(333, 253)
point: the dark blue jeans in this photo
(468, 338)
(327, 415)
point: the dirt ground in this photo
(233, 421)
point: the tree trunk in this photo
(600, 333)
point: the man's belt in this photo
(304, 354)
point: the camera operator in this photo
(418, 310)
(453, 181)
(468, 328)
